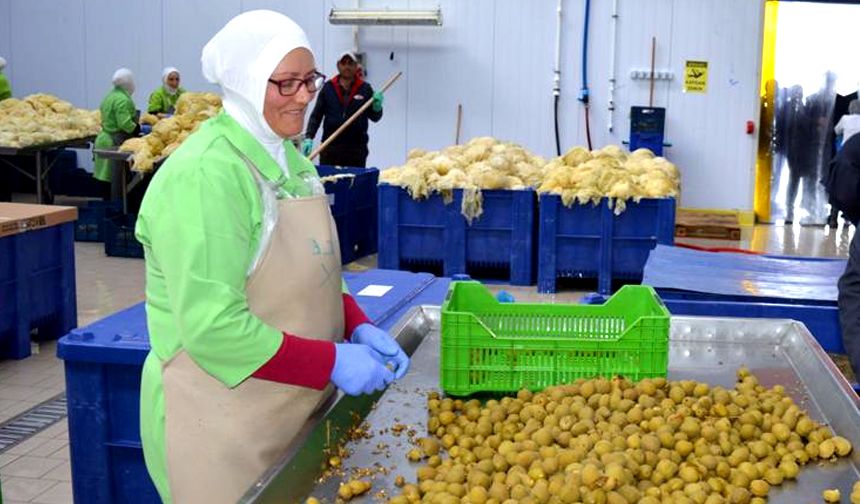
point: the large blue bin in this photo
(429, 235)
(37, 287)
(119, 236)
(103, 363)
(90, 226)
(590, 241)
(353, 204)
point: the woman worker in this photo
(119, 123)
(5, 87)
(246, 313)
(162, 101)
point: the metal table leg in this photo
(125, 189)
(39, 176)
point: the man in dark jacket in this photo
(337, 101)
(843, 185)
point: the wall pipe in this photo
(583, 92)
(613, 29)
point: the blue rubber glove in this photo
(307, 146)
(358, 371)
(379, 340)
(378, 98)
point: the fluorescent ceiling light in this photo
(385, 17)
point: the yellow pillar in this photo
(761, 200)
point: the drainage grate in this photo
(32, 422)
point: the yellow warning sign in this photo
(696, 77)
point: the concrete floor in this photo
(38, 471)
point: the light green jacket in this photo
(5, 87)
(200, 225)
(162, 102)
(117, 111)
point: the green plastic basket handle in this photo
(552, 337)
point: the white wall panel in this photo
(450, 66)
(708, 130)
(523, 58)
(388, 138)
(48, 42)
(187, 26)
(119, 46)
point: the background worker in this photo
(119, 123)
(341, 97)
(162, 101)
(5, 87)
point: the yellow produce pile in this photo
(41, 118)
(584, 177)
(579, 176)
(482, 163)
(149, 119)
(167, 134)
(617, 442)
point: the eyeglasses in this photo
(289, 87)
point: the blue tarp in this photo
(733, 274)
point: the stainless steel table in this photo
(705, 349)
(39, 151)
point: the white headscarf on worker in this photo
(164, 75)
(2, 63)
(241, 58)
(125, 79)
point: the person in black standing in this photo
(843, 186)
(339, 98)
(801, 152)
(840, 109)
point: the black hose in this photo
(587, 127)
(557, 138)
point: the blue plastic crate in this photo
(590, 241)
(354, 208)
(119, 236)
(103, 364)
(90, 226)
(428, 235)
(37, 287)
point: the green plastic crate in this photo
(489, 346)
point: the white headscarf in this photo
(241, 58)
(124, 79)
(164, 75)
(2, 63)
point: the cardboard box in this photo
(21, 217)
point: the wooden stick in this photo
(653, 58)
(459, 122)
(353, 117)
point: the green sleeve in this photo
(201, 230)
(5, 88)
(154, 102)
(125, 115)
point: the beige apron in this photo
(220, 440)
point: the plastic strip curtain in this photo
(804, 85)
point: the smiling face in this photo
(286, 114)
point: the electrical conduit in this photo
(613, 23)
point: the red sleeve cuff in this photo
(353, 316)
(300, 361)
